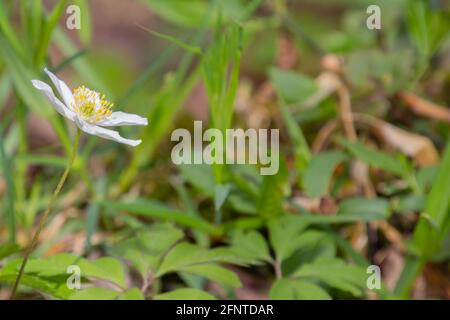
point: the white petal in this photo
(62, 88)
(104, 133)
(59, 106)
(123, 119)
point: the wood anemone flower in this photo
(89, 110)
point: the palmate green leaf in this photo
(146, 249)
(48, 287)
(215, 273)
(311, 245)
(159, 237)
(154, 209)
(134, 252)
(288, 289)
(185, 294)
(336, 274)
(317, 175)
(185, 255)
(105, 268)
(56, 289)
(250, 245)
(283, 234)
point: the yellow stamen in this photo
(90, 105)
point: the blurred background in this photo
(364, 123)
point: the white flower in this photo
(89, 110)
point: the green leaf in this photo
(46, 33)
(292, 86)
(434, 224)
(250, 245)
(201, 176)
(8, 205)
(427, 27)
(132, 294)
(94, 294)
(312, 245)
(221, 193)
(8, 249)
(7, 30)
(317, 176)
(38, 284)
(185, 255)
(22, 77)
(215, 273)
(376, 158)
(85, 31)
(365, 209)
(288, 289)
(301, 147)
(270, 201)
(283, 234)
(190, 13)
(9, 274)
(105, 268)
(146, 249)
(185, 294)
(192, 49)
(154, 209)
(336, 274)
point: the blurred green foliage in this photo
(157, 220)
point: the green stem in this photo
(35, 239)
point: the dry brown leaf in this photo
(419, 147)
(391, 262)
(425, 108)
(327, 83)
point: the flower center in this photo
(90, 105)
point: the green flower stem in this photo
(35, 239)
